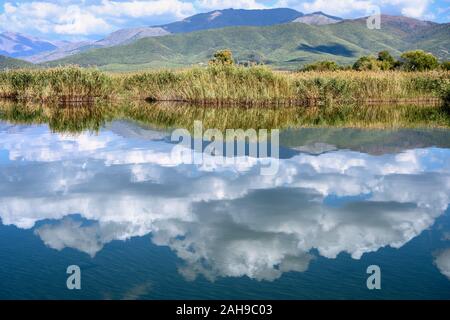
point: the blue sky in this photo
(84, 19)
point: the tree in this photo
(222, 57)
(366, 63)
(321, 66)
(445, 65)
(419, 60)
(385, 60)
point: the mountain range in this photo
(17, 45)
(36, 51)
(284, 38)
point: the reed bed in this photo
(68, 84)
(229, 85)
(226, 85)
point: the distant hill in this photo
(284, 38)
(283, 46)
(401, 25)
(125, 36)
(18, 45)
(216, 20)
(65, 49)
(233, 18)
(318, 18)
(203, 21)
(435, 39)
(11, 63)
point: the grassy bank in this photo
(68, 84)
(261, 86)
(225, 85)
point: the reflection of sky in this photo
(442, 261)
(221, 221)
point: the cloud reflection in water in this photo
(222, 222)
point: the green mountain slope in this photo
(435, 39)
(11, 63)
(283, 46)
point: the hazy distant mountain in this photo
(65, 50)
(284, 45)
(18, 45)
(318, 18)
(232, 18)
(125, 36)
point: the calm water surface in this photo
(142, 226)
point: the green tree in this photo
(366, 63)
(321, 66)
(222, 57)
(385, 60)
(418, 60)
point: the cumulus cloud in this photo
(410, 8)
(90, 18)
(352, 8)
(87, 17)
(442, 262)
(227, 222)
(226, 4)
(71, 233)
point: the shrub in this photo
(385, 60)
(366, 63)
(222, 57)
(419, 60)
(321, 66)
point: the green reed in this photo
(225, 85)
(59, 84)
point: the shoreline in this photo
(226, 85)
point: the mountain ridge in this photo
(233, 18)
(14, 44)
(203, 21)
(339, 42)
(318, 18)
(285, 46)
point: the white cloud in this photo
(442, 261)
(352, 8)
(226, 4)
(98, 18)
(410, 8)
(143, 8)
(337, 7)
(86, 18)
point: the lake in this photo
(141, 225)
